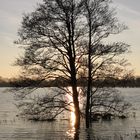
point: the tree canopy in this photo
(67, 39)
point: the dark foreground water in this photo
(15, 128)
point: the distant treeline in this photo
(109, 82)
(5, 82)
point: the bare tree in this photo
(41, 104)
(64, 39)
(102, 63)
(107, 102)
(50, 36)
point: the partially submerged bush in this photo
(106, 103)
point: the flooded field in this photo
(13, 127)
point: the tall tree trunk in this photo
(71, 53)
(75, 93)
(88, 90)
(76, 106)
(72, 56)
(89, 86)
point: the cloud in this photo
(130, 4)
(126, 12)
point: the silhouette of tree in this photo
(65, 39)
(50, 36)
(102, 57)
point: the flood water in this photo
(16, 128)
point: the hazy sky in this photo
(11, 15)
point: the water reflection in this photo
(15, 128)
(72, 119)
(71, 132)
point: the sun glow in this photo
(72, 109)
(71, 131)
(72, 118)
(69, 98)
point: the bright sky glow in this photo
(11, 15)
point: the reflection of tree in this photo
(76, 135)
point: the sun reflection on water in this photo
(72, 118)
(71, 131)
